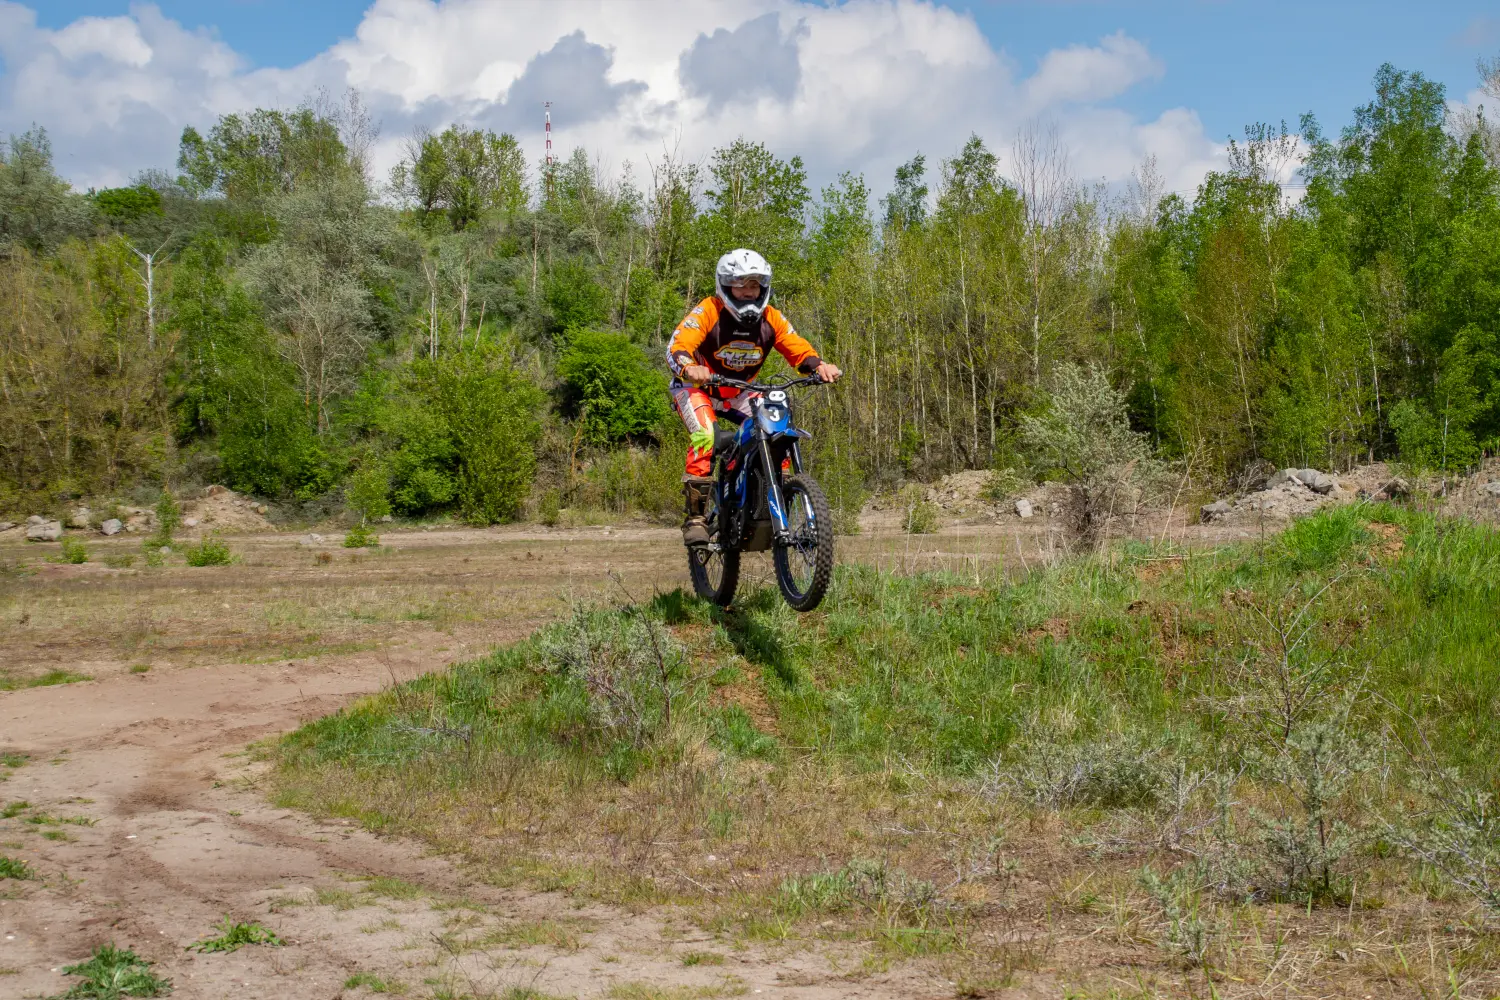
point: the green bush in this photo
(360, 536)
(74, 551)
(211, 551)
(610, 387)
(491, 409)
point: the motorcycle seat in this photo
(724, 439)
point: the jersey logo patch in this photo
(691, 324)
(740, 354)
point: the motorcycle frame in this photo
(757, 448)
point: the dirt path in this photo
(171, 831)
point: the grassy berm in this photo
(1259, 770)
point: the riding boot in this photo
(695, 493)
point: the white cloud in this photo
(876, 81)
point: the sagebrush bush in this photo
(629, 667)
(1113, 770)
(1084, 435)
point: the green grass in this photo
(15, 868)
(1310, 681)
(50, 678)
(113, 972)
(374, 984)
(234, 935)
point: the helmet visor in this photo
(745, 287)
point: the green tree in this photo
(38, 211)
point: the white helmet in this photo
(737, 264)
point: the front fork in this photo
(774, 498)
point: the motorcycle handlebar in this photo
(734, 383)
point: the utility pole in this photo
(547, 106)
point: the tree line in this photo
(480, 337)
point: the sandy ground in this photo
(172, 831)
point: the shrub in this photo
(549, 510)
(629, 667)
(918, 516)
(168, 516)
(1084, 434)
(1115, 770)
(211, 551)
(360, 536)
(610, 387)
(74, 551)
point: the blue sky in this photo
(1236, 62)
(1174, 77)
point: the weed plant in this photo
(234, 935)
(73, 551)
(1259, 723)
(15, 868)
(113, 972)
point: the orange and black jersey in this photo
(712, 336)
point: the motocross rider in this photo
(727, 334)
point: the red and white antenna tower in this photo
(548, 111)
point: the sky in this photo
(858, 85)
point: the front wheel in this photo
(804, 564)
(716, 574)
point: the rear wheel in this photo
(805, 564)
(715, 572)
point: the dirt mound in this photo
(221, 509)
(963, 493)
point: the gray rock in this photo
(1493, 489)
(1395, 489)
(80, 518)
(1316, 481)
(1278, 477)
(166, 550)
(7, 525)
(387, 519)
(262, 509)
(112, 527)
(36, 519)
(312, 539)
(190, 522)
(1023, 508)
(1214, 511)
(47, 531)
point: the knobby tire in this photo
(817, 536)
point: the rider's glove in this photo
(703, 440)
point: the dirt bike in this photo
(755, 505)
